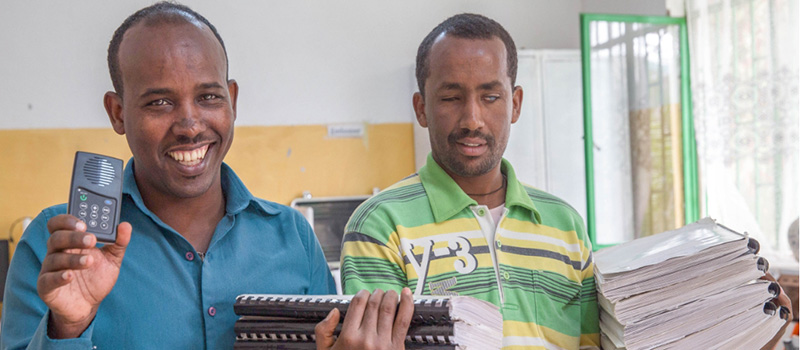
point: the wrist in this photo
(62, 328)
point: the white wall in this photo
(631, 7)
(297, 62)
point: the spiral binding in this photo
(428, 311)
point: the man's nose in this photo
(472, 116)
(188, 122)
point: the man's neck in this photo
(194, 218)
(488, 189)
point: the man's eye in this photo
(159, 102)
(448, 99)
(491, 98)
(208, 97)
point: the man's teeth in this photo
(472, 144)
(189, 157)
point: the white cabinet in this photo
(546, 144)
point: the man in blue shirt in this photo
(192, 236)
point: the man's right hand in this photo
(373, 322)
(76, 275)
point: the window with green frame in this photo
(641, 172)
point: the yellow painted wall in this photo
(276, 163)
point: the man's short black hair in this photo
(465, 26)
(162, 12)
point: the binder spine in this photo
(784, 313)
(249, 328)
(294, 307)
(290, 345)
(429, 311)
(261, 336)
(753, 246)
(774, 289)
(253, 328)
(762, 264)
(771, 309)
(431, 339)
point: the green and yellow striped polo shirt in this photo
(422, 233)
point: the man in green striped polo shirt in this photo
(464, 225)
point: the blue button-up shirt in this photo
(167, 296)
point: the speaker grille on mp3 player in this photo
(98, 171)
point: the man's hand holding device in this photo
(76, 275)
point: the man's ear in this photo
(419, 109)
(113, 103)
(233, 92)
(516, 107)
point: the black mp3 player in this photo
(95, 194)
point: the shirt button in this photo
(506, 276)
(498, 244)
(189, 256)
(212, 311)
(481, 212)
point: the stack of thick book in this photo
(696, 287)
(439, 323)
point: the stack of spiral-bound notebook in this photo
(696, 287)
(440, 323)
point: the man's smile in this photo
(189, 157)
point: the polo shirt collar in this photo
(237, 196)
(448, 199)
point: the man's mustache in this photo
(200, 138)
(465, 133)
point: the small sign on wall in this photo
(340, 131)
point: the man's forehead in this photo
(454, 57)
(453, 45)
(146, 43)
(149, 33)
(173, 16)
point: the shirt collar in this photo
(237, 196)
(448, 199)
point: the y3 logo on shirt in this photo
(456, 246)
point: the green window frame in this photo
(689, 146)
